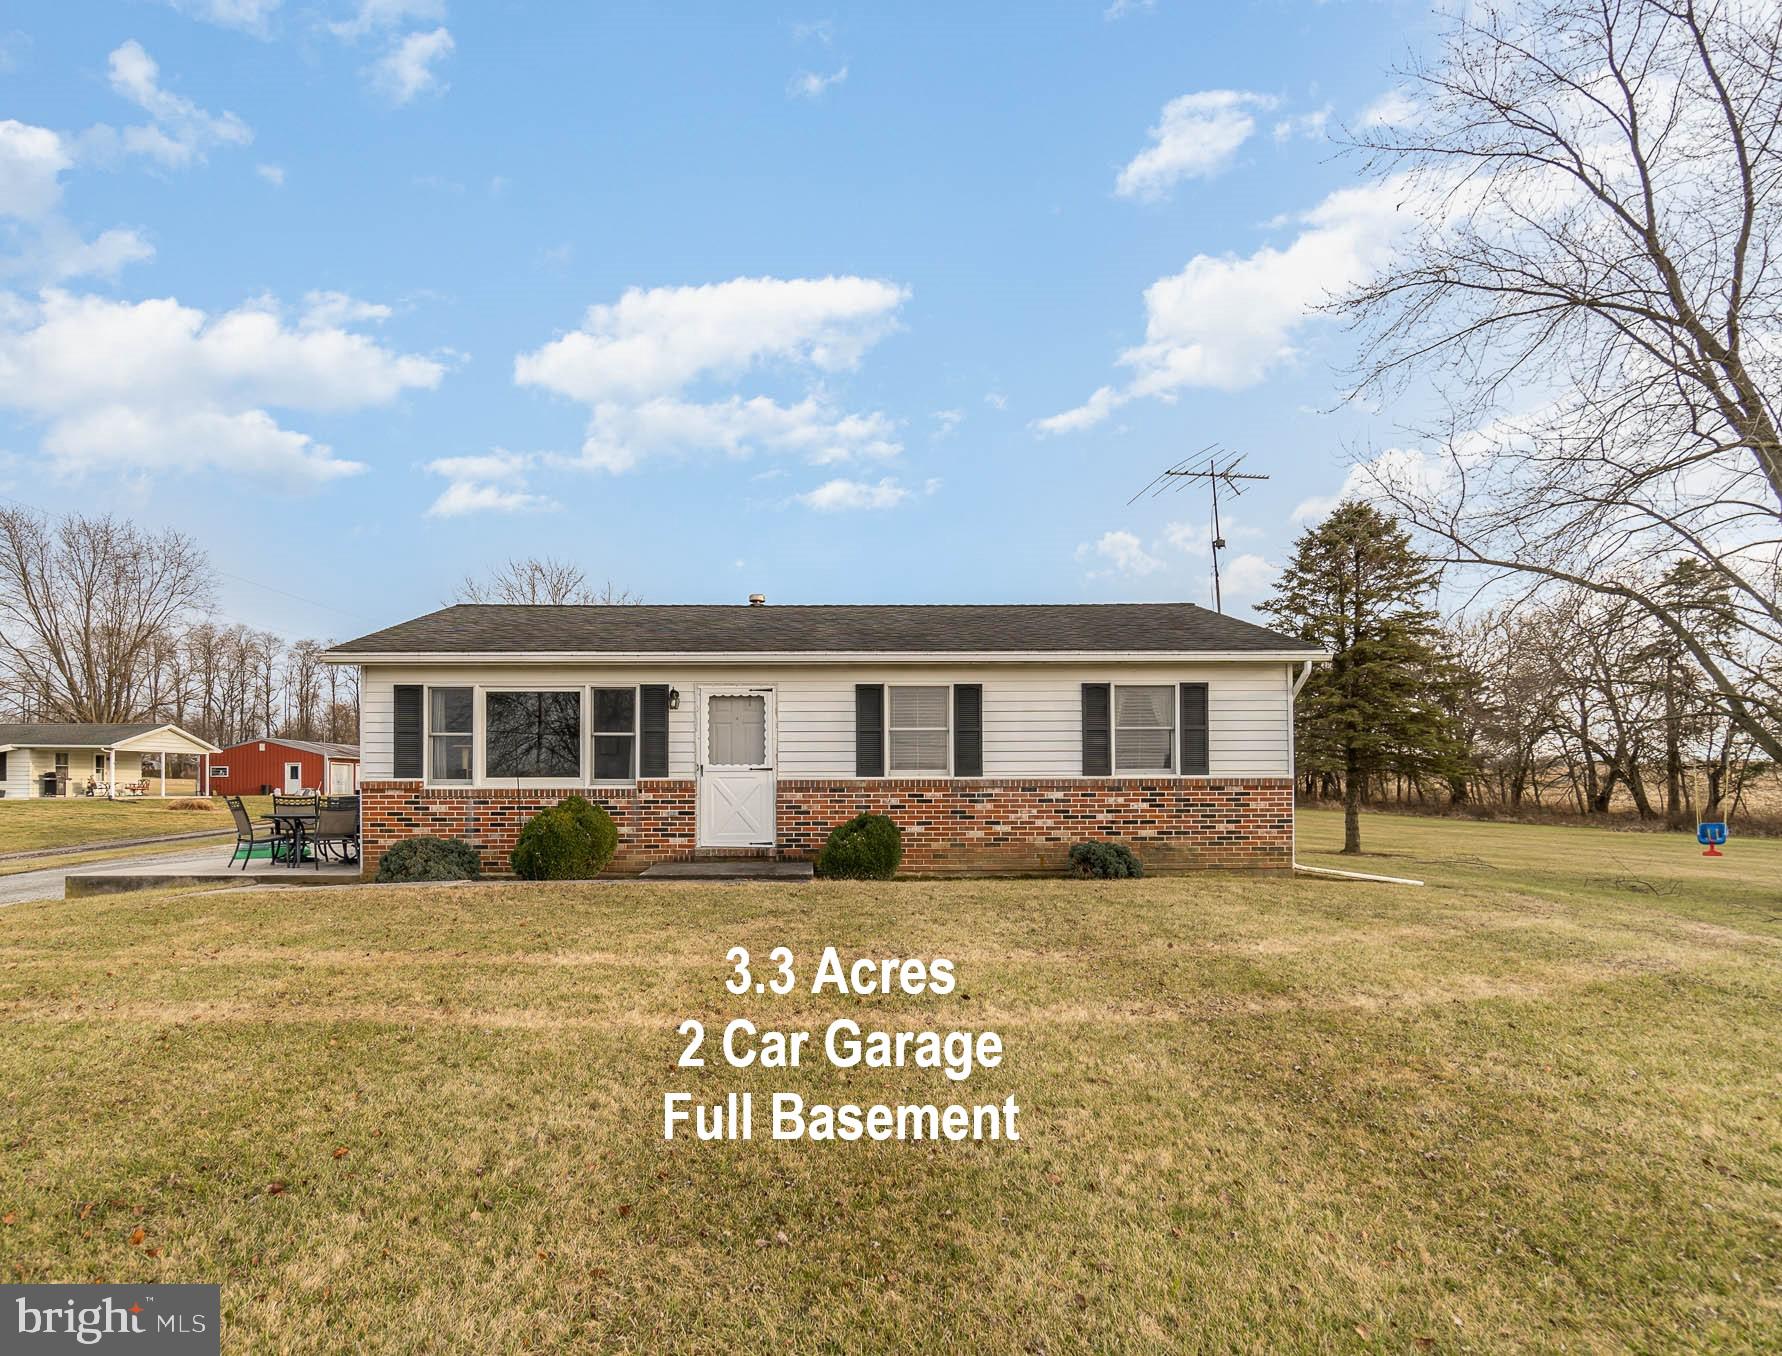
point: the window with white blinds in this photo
(918, 728)
(1144, 728)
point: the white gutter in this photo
(741, 657)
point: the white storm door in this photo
(293, 778)
(736, 758)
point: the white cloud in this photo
(1196, 137)
(946, 422)
(250, 16)
(492, 482)
(1311, 125)
(378, 15)
(331, 310)
(1119, 552)
(181, 132)
(49, 250)
(1394, 108)
(996, 400)
(635, 362)
(31, 163)
(1119, 9)
(406, 71)
(811, 85)
(61, 254)
(1246, 577)
(154, 385)
(1090, 413)
(822, 30)
(654, 340)
(272, 174)
(1226, 321)
(834, 496)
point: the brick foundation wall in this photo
(654, 818)
(961, 827)
(983, 825)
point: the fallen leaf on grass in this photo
(275, 1188)
(137, 1237)
(9, 1218)
(342, 1151)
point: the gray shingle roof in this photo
(76, 736)
(326, 750)
(472, 628)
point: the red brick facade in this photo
(960, 827)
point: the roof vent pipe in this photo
(757, 600)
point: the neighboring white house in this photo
(995, 736)
(63, 760)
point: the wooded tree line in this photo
(102, 621)
(1564, 700)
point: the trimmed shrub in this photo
(1104, 861)
(867, 847)
(571, 840)
(193, 803)
(427, 858)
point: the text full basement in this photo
(791, 1119)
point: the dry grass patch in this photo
(1523, 1109)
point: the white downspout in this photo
(1293, 783)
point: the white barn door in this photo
(736, 767)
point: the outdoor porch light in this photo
(674, 699)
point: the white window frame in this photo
(1175, 732)
(479, 746)
(219, 770)
(947, 771)
(427, 733)
(588, 705)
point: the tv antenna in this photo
(1215, 466)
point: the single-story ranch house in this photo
(63, 760)
(995, 736)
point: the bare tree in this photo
(540, 579)
(1592, 283)
(85, 605)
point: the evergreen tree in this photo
(1355, 588)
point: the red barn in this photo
(285, 765)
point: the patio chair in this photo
(337, 828)
(250, 834)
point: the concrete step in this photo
(728, 868)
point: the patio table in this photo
(295, 824)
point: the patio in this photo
(206, 866)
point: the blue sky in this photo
(834, 303)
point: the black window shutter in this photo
(652, 752)
(968, 729)
(1194, 730)
(1098, 746)
(408, 731)
(869, 729)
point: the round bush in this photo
(1104, 861)
(571, 840)
(867, 847)
(429, 859)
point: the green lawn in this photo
(1532, 1107)
(77, 820)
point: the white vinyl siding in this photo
(1033, 718)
